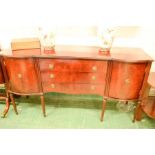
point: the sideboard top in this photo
(129, 54)
(125, 54)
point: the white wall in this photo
(142, 37)
(133, 20)
(131, 36)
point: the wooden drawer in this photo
(62, 65)
(74, 88)
(71, 77)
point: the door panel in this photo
(126, 80)
(22, 75)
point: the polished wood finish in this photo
(13, 103)
(74, 88)
(65, 65)
(130, 55)
(22, 77)
(121, 75)
(73, 76)
(7, 106)
(127, 79)
(103, 109)
(43, 105)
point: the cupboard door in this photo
(126, 80)
(22, 75)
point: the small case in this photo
(26, 46)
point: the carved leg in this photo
(138, 113)
(103, 109)
(6, 108)
(138, 110)
(43, 105)
(13, 103)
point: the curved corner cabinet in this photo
(80, 70)
(22, 78)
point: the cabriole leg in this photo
(13, 103)
(7, 106)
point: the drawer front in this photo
(62, 65)
(71, 77)
(74, 88)
(126, 80)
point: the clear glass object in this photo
(47, 39)
(106, 39)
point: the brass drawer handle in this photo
(51, 66)
(127, 81)
(93, 77)
(51, 76)
(94, 68)
(19, 75)
(92, 87)
(52, 85)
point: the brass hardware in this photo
(51, 76)
(127, 81)
(92, 87)
(52, 85)
(93, 77)
(51, 66)
(19, 76)
(94, 68)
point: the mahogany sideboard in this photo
(121, 75)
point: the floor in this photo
(69, 111)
